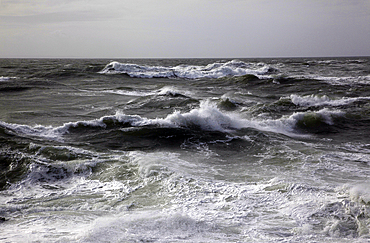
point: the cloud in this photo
(186, 28)
(52, 18)
(40, 11)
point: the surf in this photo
(210, 71)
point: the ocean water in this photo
(185, 150)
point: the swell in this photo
(184, 71)
(28, 157)
(209, 117)
(13, 166)
(219, 124)
(297, 71)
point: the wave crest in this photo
(212, 71)
(316, 100)
(206, 118)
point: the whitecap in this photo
(360, 193)
(207, 117)
(173, 92)
(213, 70)
(316, 100)
(37, 130)
(139, 93)
(332, 80)
(2, 78)
(325, 114)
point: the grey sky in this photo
(184, 28)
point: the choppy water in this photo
(188, 150)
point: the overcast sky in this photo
(184, 28)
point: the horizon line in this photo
(267, 57)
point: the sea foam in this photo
(2, 78)
(213, 70)
(207, 117)
(315, 100)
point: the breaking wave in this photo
(4, 79)
(208, 117)
(316, 100)
(212, 71)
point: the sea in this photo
(185, 150)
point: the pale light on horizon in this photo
(184, 28)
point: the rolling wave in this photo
(208, 117)
(212, 71)
(316, 100)
(2, 78)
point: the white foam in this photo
(37, 130)
(2, 78)
(55, 133)
(207, 117)
(325, 114)
(316, 100)
(192, 212)
(151, 164)
(129, 93)
(173, 91)
(171, 208)
(165, 91)
(361, 193)
(213, 70)
(344, 80)
(347, 80)
(152, 226)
